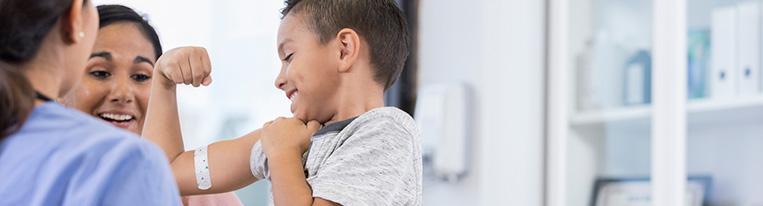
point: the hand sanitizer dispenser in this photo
(443, 115)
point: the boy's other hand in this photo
(184, 65)
(289, 136)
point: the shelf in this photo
(699, 111)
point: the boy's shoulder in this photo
(386, 120)
(375, 159)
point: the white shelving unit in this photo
(699, 111)
(667, 140)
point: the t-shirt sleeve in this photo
(374, 166)
(258, 162)
(129, 173)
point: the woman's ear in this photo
(73, 23)
(349, 49)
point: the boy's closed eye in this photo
(288, 57)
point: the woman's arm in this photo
(228, 166)
(228, 160)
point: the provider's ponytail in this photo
(16, 100)
(24, 25)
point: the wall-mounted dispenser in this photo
(444, 116)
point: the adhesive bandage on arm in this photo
(201, 167)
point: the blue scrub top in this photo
(64, 157)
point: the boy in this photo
(338, 58)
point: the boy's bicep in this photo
(228, 167)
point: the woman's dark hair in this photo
(23, 26)
(111, 14)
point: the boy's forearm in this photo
(288, 180)
(162, 124)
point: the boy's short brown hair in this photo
(380, 22)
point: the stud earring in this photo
(81, 35)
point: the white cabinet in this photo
(633, 98)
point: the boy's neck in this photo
(357, 99)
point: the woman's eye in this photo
(140, 77)
(100, 74)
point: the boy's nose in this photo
(280, 82)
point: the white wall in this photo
(497, 48)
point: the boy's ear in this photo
(349, 48)
(72, 23)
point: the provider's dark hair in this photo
(24, 25)
(380, 22)
(111, 14)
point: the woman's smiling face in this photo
(117, 79)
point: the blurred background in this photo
(505, 121)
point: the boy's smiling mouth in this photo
(292, 95)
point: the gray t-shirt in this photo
(373, 159)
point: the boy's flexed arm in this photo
(228, 160)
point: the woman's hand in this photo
(184, 65)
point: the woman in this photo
(51, 155)
(117, 78)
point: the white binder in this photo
(748, 47)
(723, 76)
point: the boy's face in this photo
(309, 73)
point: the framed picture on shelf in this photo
(637, 191)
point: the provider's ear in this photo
(349, 48)
(73, 23)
